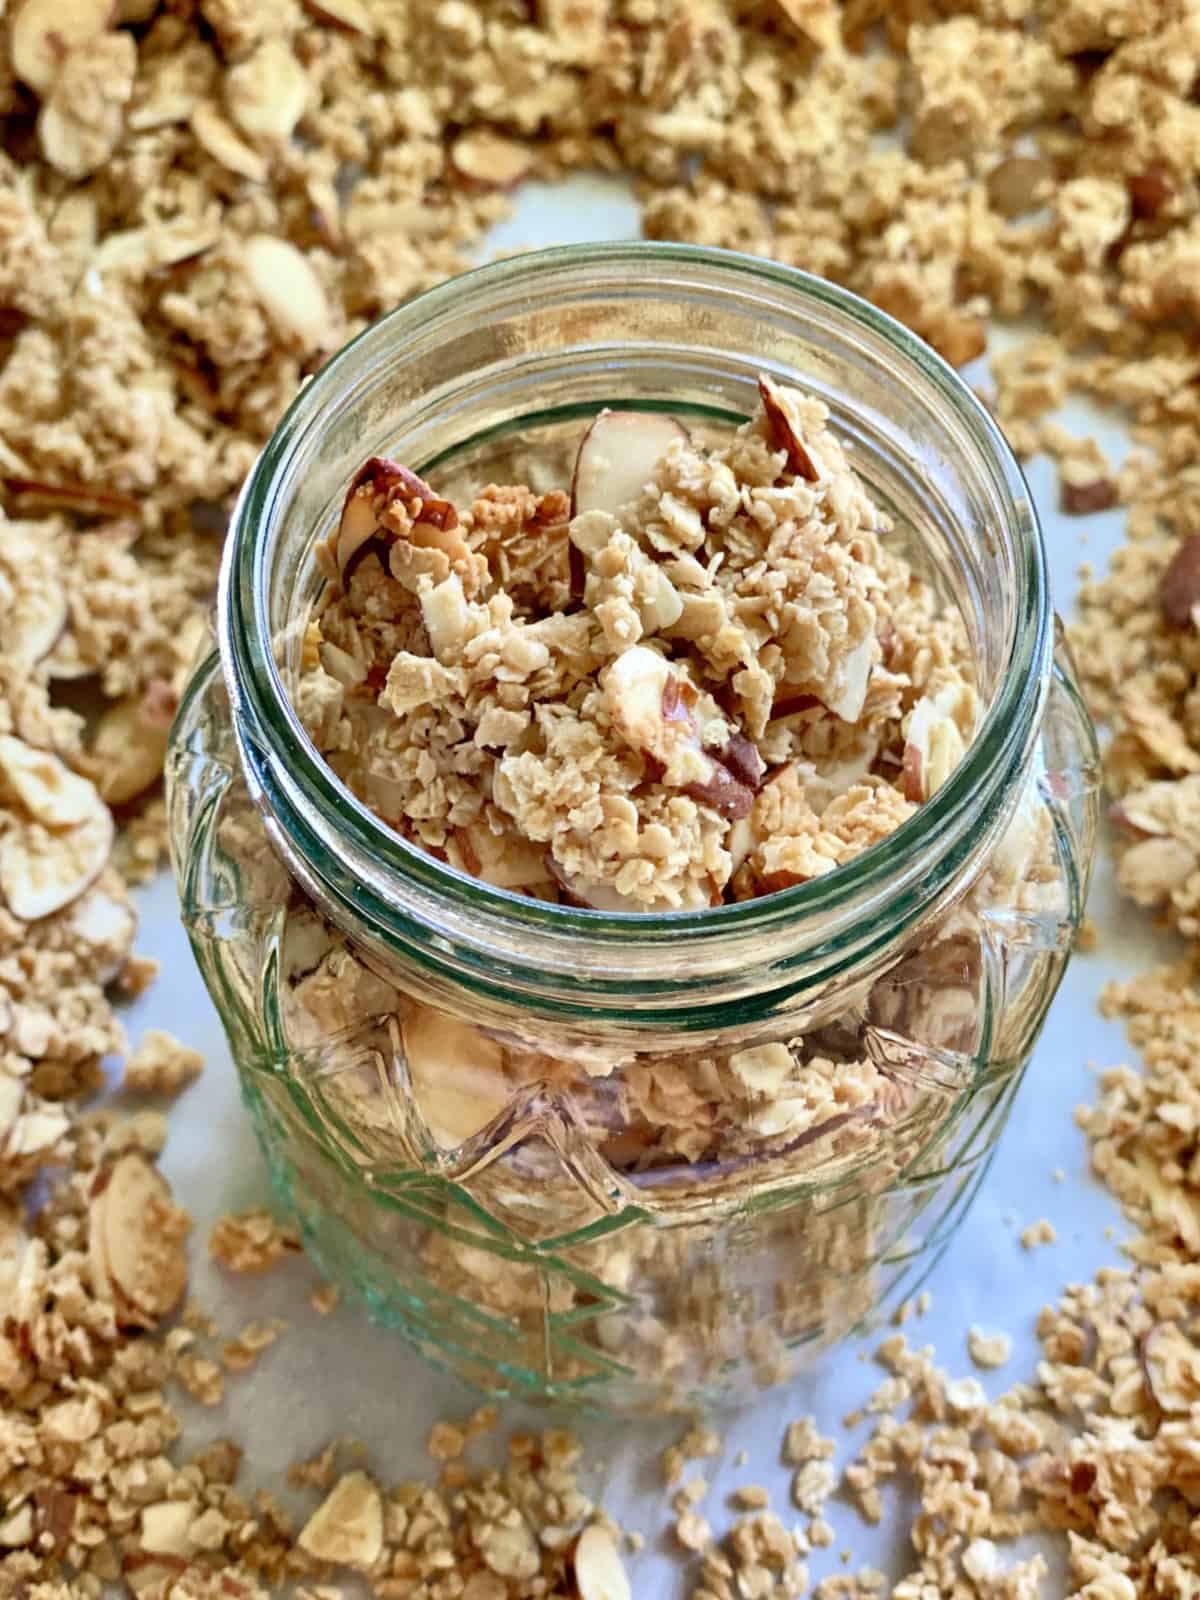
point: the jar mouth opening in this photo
(264, 711)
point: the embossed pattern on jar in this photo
(456, 1089)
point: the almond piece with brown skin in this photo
(785, 429)
(376, 486)
(933, 748)
(349, 14)
(1179, 593)
(618, 456)
(41, 32)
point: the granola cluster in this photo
(197, 203)
(703, 675)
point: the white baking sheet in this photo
(336, 1376)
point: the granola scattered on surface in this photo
(177, 251)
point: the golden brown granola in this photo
(707, 715)
(178, 249)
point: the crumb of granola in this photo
(251, 1241)
(1038, 1233)
(324, 1298)
(242, 1353)
(988, 1349)
(161, 1065)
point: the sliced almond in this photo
(47, 788)
(127, 750)
(457, 1074)
(166, 1528)
(38, 611)
(594, 896)
(741, 756)
(41, 32)
(289, 289)
(491, 160)
(107, 927)
(351, 14)
(818, 20)
(136, 1241)
(375, 487)
(786, 430)
(1019, 184)
(79, 128)
(1179, 593)
(346, 1529)
(1171, 1366)
(933, 748)
(724, 793)
(221, 142)
(16, 1529)
(267, 92)
(1151, 870)
(847, 698)
(618, 456)
(75, 496)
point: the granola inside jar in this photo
(638, 817)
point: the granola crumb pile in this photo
(702, 675)
(180, 245)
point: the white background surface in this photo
(336, 1376)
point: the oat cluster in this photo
(200, 201)
(658, 692)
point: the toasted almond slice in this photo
(136, 1236)
(849, 696)
(47, 788)
(1179, 594)
(290, 292)
(351, 14)
(77, 496)
(38, 611)
(933, 748)
(724, 793)
(42, 871)
(490, 160)
(787, 433)
(617, 457)
(346, 1529)
(106, 927)
(41, 32)
(599, 1571)
(127, 750)
(267, 92)
(376, 485)
(166, 1528)
(457, 1074)
(223, 145)
(817, 20)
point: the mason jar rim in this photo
(406, 878)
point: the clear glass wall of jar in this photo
(545, 1143)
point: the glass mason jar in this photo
(460, 1090)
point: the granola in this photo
(1051, 165)
(707, 717)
